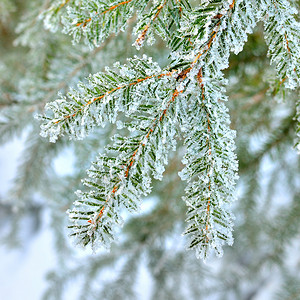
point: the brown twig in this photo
(63, 4)
(104, 12)
(113, 90)
(199, 77)
(142, 36)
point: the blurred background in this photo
(38, 179)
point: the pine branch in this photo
(107, 212)
(95, 20)
(163, 19)
(282, 33)
(106, 95)
(122, 189)
(151, 102)
(52, 15)
(211, 171)
(119, 181)
(109, 9)
(156, 11)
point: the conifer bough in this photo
(154, 105)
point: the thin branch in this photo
(287, 44)
(285, 35)
(199, 77)
(104, 12)
(142, 36)
(113, 90)
(63, 4)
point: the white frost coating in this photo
(211, 165)
(282, 33)
(118, 178)
(153, 103)
(209, 219)
(100, 100)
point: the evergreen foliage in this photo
(120, 180)
(134, 103)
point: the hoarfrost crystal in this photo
(155, 106)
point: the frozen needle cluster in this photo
(152, 106)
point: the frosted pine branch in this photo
(106, 94)
(53, 14)
(119, 178)
(154, 102)
(210, 170)
(163, 19)
(282, 33)
(96, 20)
